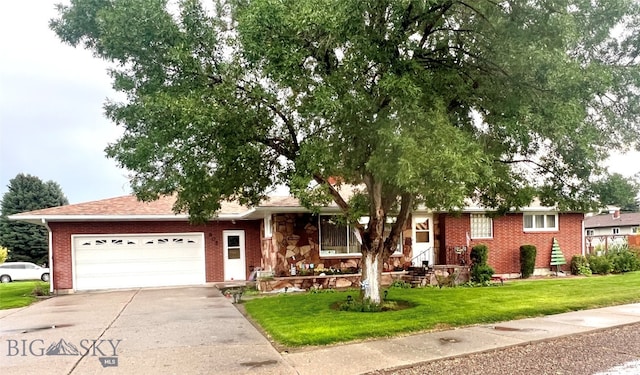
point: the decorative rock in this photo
(343, 283)
(304, 250)
(349, 263)
(282, 284)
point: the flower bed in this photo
(336, 281)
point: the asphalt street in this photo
(597, 352)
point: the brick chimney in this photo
(616, 214)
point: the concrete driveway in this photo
(145, 331)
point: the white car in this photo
(11, 271)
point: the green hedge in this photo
(527, 260)
(480, 271)
(618, 259)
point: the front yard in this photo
(309, 319)
(20, 293)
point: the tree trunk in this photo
(371, 276)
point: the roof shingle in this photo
(127, 205)
(604, 221)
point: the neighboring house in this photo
(613, 228)
(123, 243)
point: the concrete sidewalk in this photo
(410, 350)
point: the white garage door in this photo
(144, 260)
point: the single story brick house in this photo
(123, 243)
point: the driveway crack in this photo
(105, 330)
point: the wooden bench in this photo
(498, 278)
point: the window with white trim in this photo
(540, 222)
(337, 238)
(635, 230)
(590, 232)
(422, 230)
(481, 226)
(615, 230)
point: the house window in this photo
(590, 232)
(422, 231)
(337, 238)
(540, 222)
(615, 230)
(481, 226)
(635, 230)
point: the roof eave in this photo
(39, 219)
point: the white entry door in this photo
(422, 240)
(234, 261)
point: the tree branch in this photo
(406, 205)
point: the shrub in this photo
(578, 263)
(361, 306)
(480, 271)
(400, 284)
(40, 290)
(527, 260)
(479, 254)
(600, 265)
(4, 253)
(623, 260)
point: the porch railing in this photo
(458, 255)
(417, 260)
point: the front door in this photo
(422, 239)
(234, 262)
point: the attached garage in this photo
(138, 260)
(121, 242)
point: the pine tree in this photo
(27, 242)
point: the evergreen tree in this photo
(27, 242)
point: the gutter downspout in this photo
(44, 222)
(584, 237)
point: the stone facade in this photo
(322, 282)
(295, 242)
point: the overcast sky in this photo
(51, 119)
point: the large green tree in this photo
(28, 242)
(416, 102)
(618, 190)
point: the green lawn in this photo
(307, 319)
(19, 293)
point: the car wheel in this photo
(45, 277)
(5, 279)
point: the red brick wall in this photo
(62, 231)
(508, 236)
